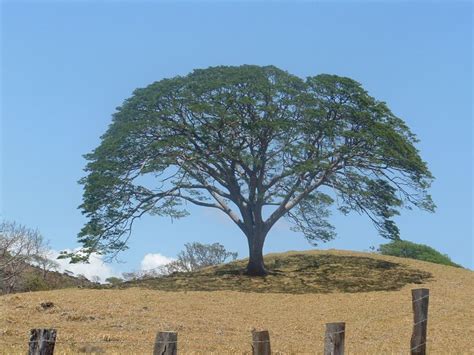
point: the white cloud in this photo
(152, 261)
(96, 266)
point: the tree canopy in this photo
(258, 144)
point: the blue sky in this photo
(65, 67)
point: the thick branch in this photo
(288, 204)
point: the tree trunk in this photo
(256, 267)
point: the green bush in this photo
(34, 282)
(114, 280)
(406, 249)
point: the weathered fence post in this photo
(334, 339)
(261, 342)
(420, 298)
(42, 342)
(166, 343)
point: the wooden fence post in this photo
(166, 343)
(42, 342)
(334, 338)
(420, 298)
(261, 342)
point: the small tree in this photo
(406, 249)
(19, 246)
(43, 261)
(34, 282)
(82, 279)
(131, 275)
(68, 273)
(197, 256)
(257, 144)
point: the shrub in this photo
(406, 249)
(114, 280)
(34, 282)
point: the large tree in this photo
(258, 144)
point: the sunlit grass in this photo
(305, 290)
(295, 273)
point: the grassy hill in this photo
(32, 278)
(215, 309)
(297, 273)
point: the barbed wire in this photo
(418, 299)
(111, 342)
(421, 321)
(388, 333)
(181, 343)
(339, 332)
(416, 347)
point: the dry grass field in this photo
(215, 310)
